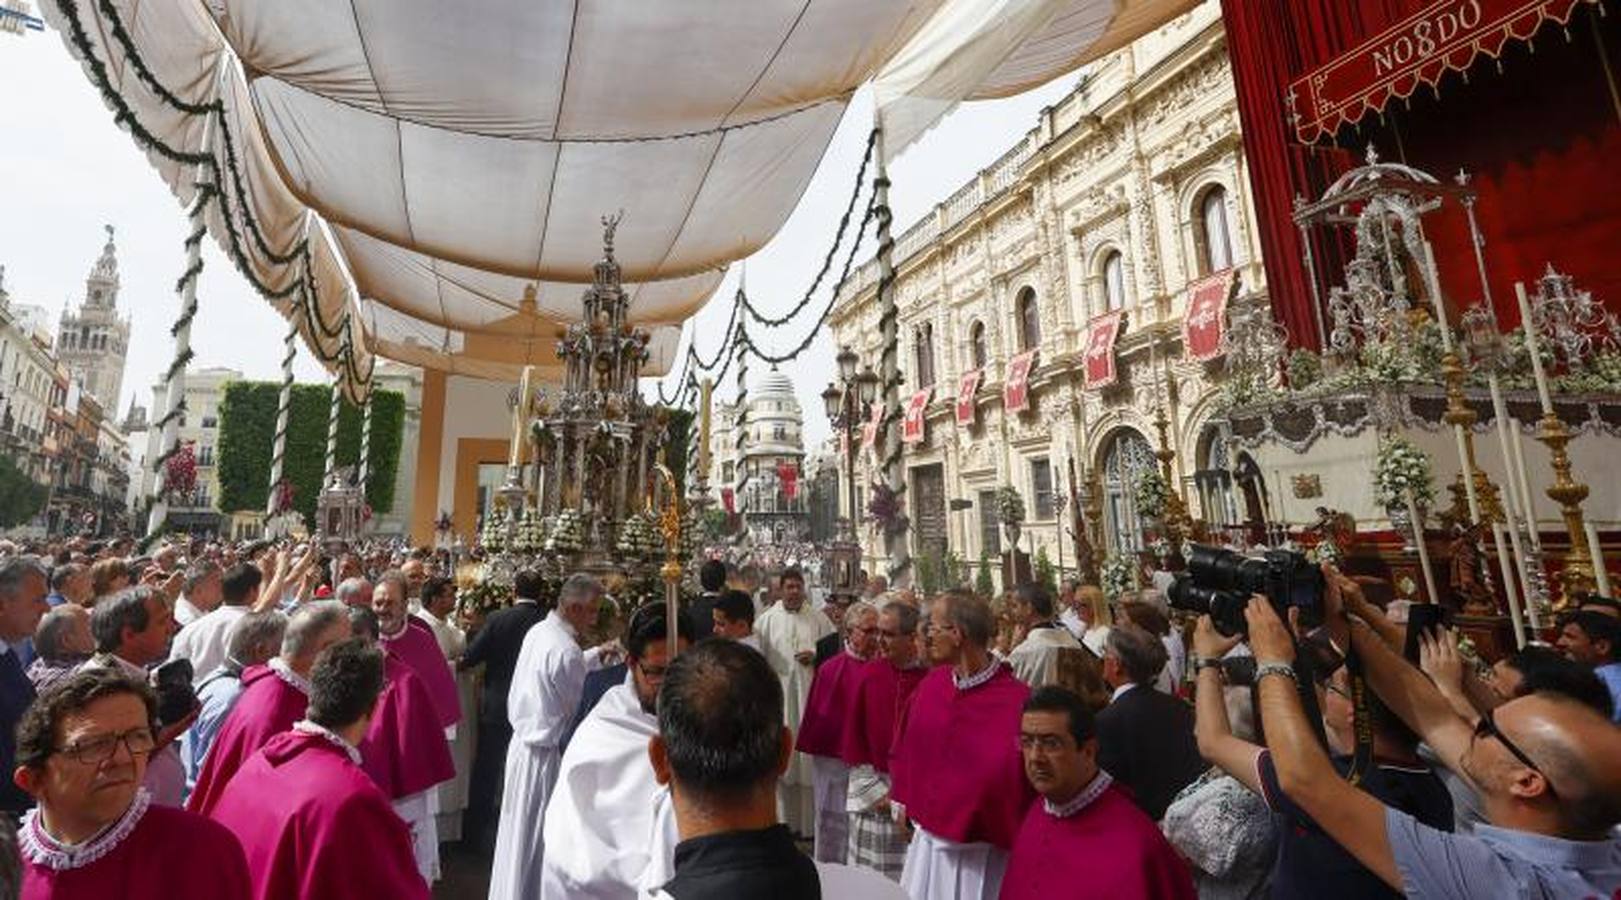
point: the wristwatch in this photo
(1275, 668)
(1206, 662)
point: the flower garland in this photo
(1401, 469)
(180, 473)
(482, 598)
(884, 509)
(1118, 576)
(1150, 494)
(1009, 505)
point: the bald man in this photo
(1543, 765)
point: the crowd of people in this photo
(315, 722)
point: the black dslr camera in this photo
(1219, 583)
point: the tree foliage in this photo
(21, 498)
(247, 435)
(984, 586)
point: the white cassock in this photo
(605, 825)
(1035, 660)
(452, 795)
(783, 635)
(941, 869)
(546, 686)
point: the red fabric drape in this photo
(1539, 139)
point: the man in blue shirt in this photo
(1593, 639)
(254, 638)
(1542, 764)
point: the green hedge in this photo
(248, 429)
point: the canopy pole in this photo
(174, 379)
(332, 433)
(365, 445)
(895, 537)
(284, 402)
(742, 434)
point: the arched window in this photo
(1114, 281)
(1214, 479)
(976, 345)
(1218, 244)
(1029, 320)
(1127, 456)
(924, 342)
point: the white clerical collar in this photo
(305, 726)
(854, 655)
(40, 848)
(293, 680)
(1091, 792)
(529, 601)
(389, 638)
(978, 678)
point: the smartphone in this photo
(1422, 617)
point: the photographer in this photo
(1309, 862)
(1543, 766)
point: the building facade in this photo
(1125, 195)
(199, 426)
(772, 455)
(93, 340)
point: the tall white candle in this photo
(1433, 284)
(1533, 347)
(1600, 574)
(1510, 590)
(1423, 549)
(520, 412)
(1524, 476)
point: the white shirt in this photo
(1120, 691)
(205, 640)
(547, 682)
(186, 612)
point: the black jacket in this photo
(702, 612)
(496, 645)
(1145, 741)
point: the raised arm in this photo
(1412, 698)
(1214, 732)
(1355, 820)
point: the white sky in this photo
(66, 170)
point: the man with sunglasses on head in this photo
(82, 750)
(606, 824)
(1543, 765)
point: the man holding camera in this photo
(132, 630)
(1543, 766)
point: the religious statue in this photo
(1468, 577)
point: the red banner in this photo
(1207, 309)
(1444, 36)
(1100, 337)
(788, 477)
(912, 425)
(967, 387)
(869, 431)
(1016, 392)
(728, 498)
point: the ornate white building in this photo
(774, 443)
(93, 341)
(1126, 193)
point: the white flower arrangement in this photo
(1161, 548)
(567, 534)
(494, 536)
(1151, 494)
(1402, 469)
(1118, 576)
(639, 537)
(1326, 552)
(531, 536)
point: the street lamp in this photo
(845, 403)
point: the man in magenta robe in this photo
(956, 768)
(404, 750)
(821, 728)
(274, 696)
(882, 692)
(313, 825)
(1086, 838)
(410, 640)
(82, 749)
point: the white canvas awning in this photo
(423, 162)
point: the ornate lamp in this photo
(847, 360)
(833, 402)
(867, 385)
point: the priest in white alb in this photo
(1035, 659)
(546, 687)
(788, 632)
(607, 832)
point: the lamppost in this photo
(846, 402)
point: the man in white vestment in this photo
(605, 825)
(437, 608)
(546, 686)
(1035, 660)
(788, 633)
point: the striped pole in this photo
(284, 403)
(741, 436)
(332, 434)
(900, 556)
(365, 445)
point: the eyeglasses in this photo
(99, 749)
(1487, 728)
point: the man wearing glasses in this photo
(1543, 765)
(82, 750)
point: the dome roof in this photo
(775, 386)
